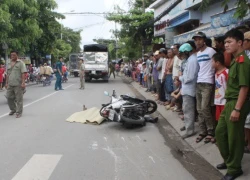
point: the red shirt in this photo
(64, 69)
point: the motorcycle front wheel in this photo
(151, 106)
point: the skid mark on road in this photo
(116, 158)
(40, 166)
(152, 159)
(40, 99)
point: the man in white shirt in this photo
(160, 85)
(204, 88)
(148, 69)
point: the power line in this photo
(94, 13)
(103, 26)
(90, 25)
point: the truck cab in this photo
(96, 62)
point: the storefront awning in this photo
(207, 29)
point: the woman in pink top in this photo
(1, 76)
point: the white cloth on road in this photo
(91, 115)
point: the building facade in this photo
(182, 21)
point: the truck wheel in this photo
(75, 74)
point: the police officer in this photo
(15, 84)
(58, 84)
(230, 128)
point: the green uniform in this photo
(14, 90)
(230, 135)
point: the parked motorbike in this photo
(128, 110)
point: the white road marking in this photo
(123, 139)
(6, 114)
(105, 139)
(39, 167)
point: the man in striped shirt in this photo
(204, 88)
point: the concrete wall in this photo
(214, 9)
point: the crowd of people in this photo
(206, 84)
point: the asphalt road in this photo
(42, 145)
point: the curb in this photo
(208, 151)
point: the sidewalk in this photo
(208, 151)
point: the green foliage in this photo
(73, 38)
(47, 21)
(242, 9)
(134, 30)
(32, 27)
(61, 48)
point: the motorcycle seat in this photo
(131, 99)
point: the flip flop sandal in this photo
(200, 138)
(209, 138)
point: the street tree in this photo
(134, 28)
(48, 22)
(61, 49)
(73, 38)
(21, 26)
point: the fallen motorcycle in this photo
(128, 110)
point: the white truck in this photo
(95, 58)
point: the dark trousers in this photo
(112, 72)
(58, 84)
(141, 78)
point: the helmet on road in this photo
(185, 48)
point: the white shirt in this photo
(176, 66)
(206, 72)
(140, 67)
(220, 87)
(160, 62)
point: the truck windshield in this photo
(95, 57)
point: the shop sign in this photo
(25, 59)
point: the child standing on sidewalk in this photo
(221, 77)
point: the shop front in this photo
(220, 24)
